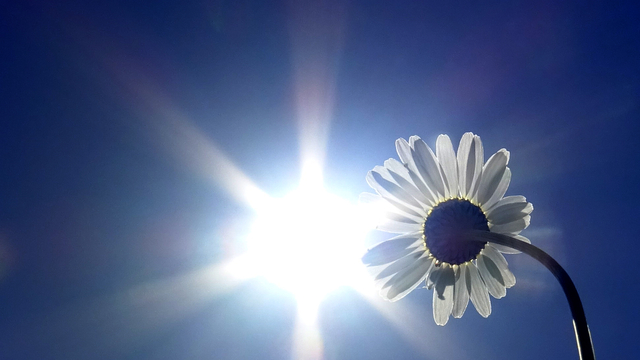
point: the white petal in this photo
(443, 296)
(506, 200)
(392, 249)
(397, 227)
(503, 185)
(447, 159)
(501, 263)
(401, 214)
(398, 205)
(405, 281)
(470, 160)
(479, 294)
(460, 292)
(403, 209)
(433, 277)
(427, 165)
(398, 265)
(508, 250)
(509, 212)
(463, 163)
(386, 186)
(379, 189)
(401, 176)
(492, 175)
(403, 218)
(404, 152)
(415, 177)
(491, 276)
(512, 227)
(480, 163)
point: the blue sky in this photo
(107, 204)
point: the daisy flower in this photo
(436, 202)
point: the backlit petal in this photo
(447, 159)
(512, 227)
(398, 265)
(460, 292)
(502, 265)
(479, 294)
(491, 276)
(492, 174)
(408, 279)
(392, 249)
(501, 189)
(509, 212)
(470, 161)
(427, 165)
(378, 182)
(443, 296)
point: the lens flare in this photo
(308, 242)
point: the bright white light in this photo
(309, 242)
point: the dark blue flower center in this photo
(445, 227)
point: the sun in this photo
(309, 242)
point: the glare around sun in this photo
(309, 242)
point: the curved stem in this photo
(583, 335)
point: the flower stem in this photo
(583, 335)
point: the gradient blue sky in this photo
(101, 204)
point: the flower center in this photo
(444, 231)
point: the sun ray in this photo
(120, 322)
(316, 31)
(307, 340)
(171, 130)
(409, 320)
(174, 132)
(161, 121)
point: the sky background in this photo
(109, 208)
